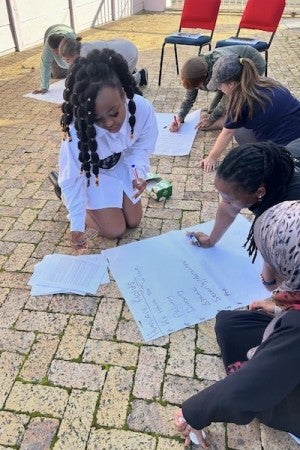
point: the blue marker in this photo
(194, 240)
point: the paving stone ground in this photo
(75, 372)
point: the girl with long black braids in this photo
(254, 176)
(109, 134)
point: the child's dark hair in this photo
(69, 47)
(87, 76)
(194, 72)
(250, 166)
(54, 40)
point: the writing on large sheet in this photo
(158, 311)
(141, 294)
(204, 285)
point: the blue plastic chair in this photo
(257, 16)
(196, 14)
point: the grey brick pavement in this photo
(75, 372)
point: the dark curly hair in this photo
(86, 77)
(250, 166)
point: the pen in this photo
(192, 435)
(136, 176)
(194, 240)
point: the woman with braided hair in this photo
(259, 346)
(254, 176)
(259, 109)
(109, 134)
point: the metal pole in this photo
(14, 25)
(113, 10)
(72, 15)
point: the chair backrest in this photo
(200, 14)
(262, 15)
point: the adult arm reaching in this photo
(225, 216)
(224, 138)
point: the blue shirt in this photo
(278, 121)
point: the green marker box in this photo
(157, 188)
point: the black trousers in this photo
(266, 387)
(238, 331)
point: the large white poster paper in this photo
(170, 284)
(179, 143)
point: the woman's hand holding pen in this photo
(202, 239)
(138, 183)
(189, 433)
(175, 125)
(139, 186)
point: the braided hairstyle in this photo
(87, 76)
(251, 166)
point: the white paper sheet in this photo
(66, 273)
(54, 95)
(170, 284)
(177, 143)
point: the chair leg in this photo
(176, 59)
(161, 63)
(267, 60)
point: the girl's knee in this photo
(133, 223)
(114, 232)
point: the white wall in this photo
(29, 19)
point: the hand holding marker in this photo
(194, 439)
(194, 240)
(136, 176)
(177, 124)
(138, 185)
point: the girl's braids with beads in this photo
(250, 166)
(87, 76)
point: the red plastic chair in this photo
(258, 15)
(196, 14)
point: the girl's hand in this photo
(185, 429)
(139, 187)
(175, 125)
(205, 121)
(78, 241)
(40, 91)
(203, 240)
(208, 164)
(267, 305)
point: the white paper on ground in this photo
(54, 94)
(66, 273)
(176, 143)
(170, 284)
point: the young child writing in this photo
(196, 73)
(108, 129)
